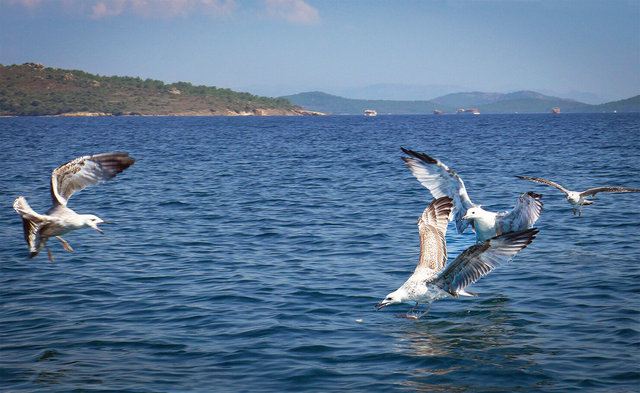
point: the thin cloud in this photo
(293, 11)
(161, 8)
(29, 4)
(99, 9)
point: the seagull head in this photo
(473, 213)
(92, 221)
(392, 298)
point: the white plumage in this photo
(65, 180)
(442, 181)
(431, 280)
(579, 198)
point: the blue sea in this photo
(247, 255)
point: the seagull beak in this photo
(381, 305)
(466, 217)
(95, 226)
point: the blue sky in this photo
(587, 49)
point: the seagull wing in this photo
(433, 246)
(524, 214)
(544, 181)
(437, 214)
(480, 259)
(85, 171)
(440, 181)
(594, 191)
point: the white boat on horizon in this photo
(370, 112)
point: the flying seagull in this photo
(578, 198)
(442, 181)
(431, 280)
(66, 179)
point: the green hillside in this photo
(516, 102)
(528, 105)
(628, 105)
(34, 90)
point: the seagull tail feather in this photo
(31, 223)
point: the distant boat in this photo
(437, 112)
(370, 112)
(469, 110)
(555, 111)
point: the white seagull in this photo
(431, 280)
(442, 181)
(65, 180)
(578, 198)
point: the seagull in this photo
(442, 181)
(578, 198)
(66, 179)
(431, 280)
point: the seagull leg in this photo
(580, 211)
(428, 308)
(65, 245)
(50, 254)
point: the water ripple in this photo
(248, 254)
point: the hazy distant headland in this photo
(32, 89)
(517, 102)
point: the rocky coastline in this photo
(256, 112)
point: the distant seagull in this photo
(65, 180)
(442, 181)
(431, 280)
(578, 198)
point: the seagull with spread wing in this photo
(66, 179)
(431, 280)
(442, 181)
(578, 198)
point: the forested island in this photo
(32, 89)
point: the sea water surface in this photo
(247, 254)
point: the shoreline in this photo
(258, 112)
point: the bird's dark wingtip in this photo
(534, 195)
(420, 156)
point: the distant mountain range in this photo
(32, 89)
(516, 102)
(396, 91)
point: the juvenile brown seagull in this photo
(65, 180)
(578, 198)
(431, 280)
